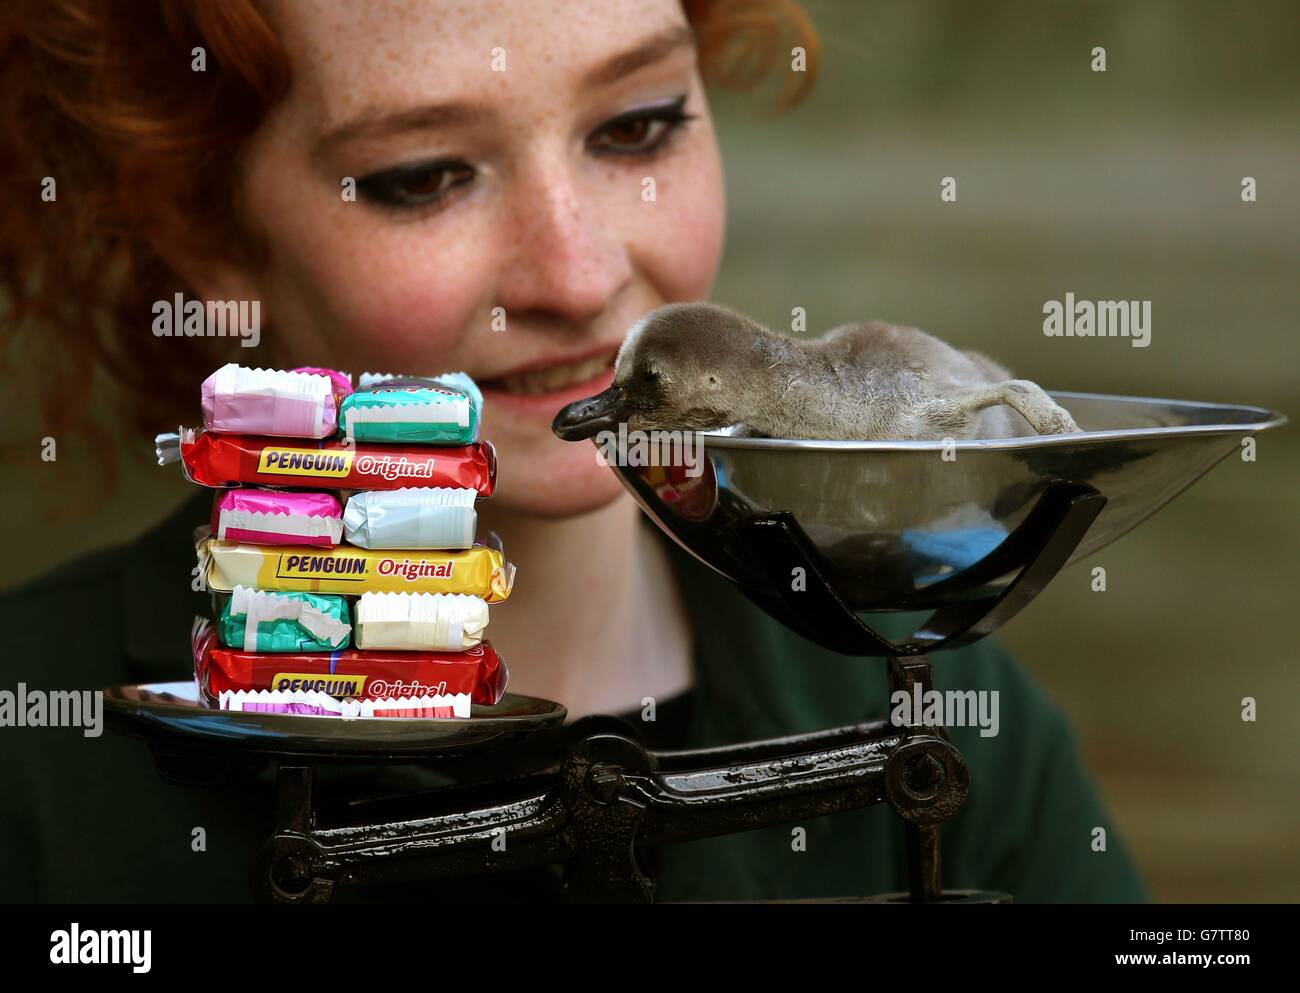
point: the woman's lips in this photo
(541, 392)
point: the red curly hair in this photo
(100, 96)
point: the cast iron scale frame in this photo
(590, 795)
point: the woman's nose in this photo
(569, 262)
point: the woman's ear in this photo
(220, 286)
(214, 278)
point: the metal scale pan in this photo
(172, 713)
(907, 525)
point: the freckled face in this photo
(501, 178)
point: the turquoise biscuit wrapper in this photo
(287, 634)
(440, 410)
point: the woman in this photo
(394, 183)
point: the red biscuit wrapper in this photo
(363, 675)
(232, 459)
(413, 709)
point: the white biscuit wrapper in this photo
(412, 517)
(430, 622)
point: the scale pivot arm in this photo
(609, 797)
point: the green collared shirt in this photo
(89, 819)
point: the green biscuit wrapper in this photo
(440, 410)
(262, 621)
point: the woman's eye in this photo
(417, 185)
(639, 132)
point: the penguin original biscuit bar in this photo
(220, 460)
(479, 571)
(478, 672)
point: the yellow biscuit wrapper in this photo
(480, 571)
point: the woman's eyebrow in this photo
(373, 123)
(643, 53)
(379, 124)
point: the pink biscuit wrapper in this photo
(341, 380)
(287, 708)
(318, 704)
(277, 517)
(271, 402)
(310, 704)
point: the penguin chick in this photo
(701, 367)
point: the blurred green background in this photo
(1117, 185)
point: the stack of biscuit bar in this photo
(341, 553)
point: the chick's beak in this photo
(586, 418)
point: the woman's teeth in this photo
(556, 377)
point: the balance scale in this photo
(813, 532)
